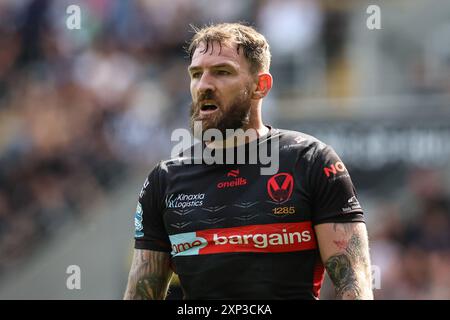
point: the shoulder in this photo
(180, 161)
(158, 176)
(305, 144)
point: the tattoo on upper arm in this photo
(149, 275)
(349, 269)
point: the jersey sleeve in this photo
(333, 195)
(150, 232)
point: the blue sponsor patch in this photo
(138, 227)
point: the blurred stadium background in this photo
(85, 114)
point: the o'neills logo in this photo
(230, 184)
(269, 238)
(184, 200)
(238, 181)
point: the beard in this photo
(234, 116)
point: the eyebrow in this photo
(215, 66)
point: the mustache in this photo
(207, 95)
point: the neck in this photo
(256, 122)
(252, 131)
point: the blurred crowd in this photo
(80, 108)
(409, 238)
(411, 245)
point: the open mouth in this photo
(208, 107)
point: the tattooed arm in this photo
(149, 276)
(344, 250)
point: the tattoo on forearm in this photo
(149, 275)
(340, 268)
(151, 287)
(349, 270)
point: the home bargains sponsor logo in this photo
(184, 200)
(268, 238)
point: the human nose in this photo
(205, 84)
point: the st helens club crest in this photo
(280, 187)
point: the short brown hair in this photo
(254, 45)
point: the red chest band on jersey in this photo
(264, 238)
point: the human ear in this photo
(263, 86)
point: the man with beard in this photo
(227, 230)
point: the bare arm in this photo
(344, 248)
(149, 276)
